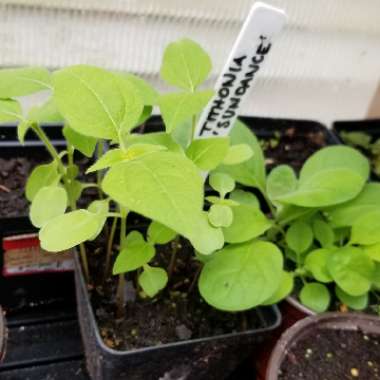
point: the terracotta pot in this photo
(310, 325)
(3, 335)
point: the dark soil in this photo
(13, 175)
(178, 313)
(291, 146)
(333, 355)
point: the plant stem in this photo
(173, 257)
(99, 177)
(109, 248)
(195, 278)
(53, 152)
(120, 295)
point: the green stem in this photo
(109, 248)
(193, 126)
(120, 295)
(99, 177)
(173, 257)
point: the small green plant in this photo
(362, 140)
(157, 175)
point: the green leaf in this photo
(133, 107)
(160, 234)
(136, 253)
(185, 64)
(220, 216)
(248, 222)
(240, 277)
(360, 139)
(146, 92)
(145, 115)
(365, 229)
(373, 251)
(316, 263)
(252, 171)
(331, 176)
(22, 128)
(221, 201)
(237, 154)
(285, 288)
(182, 134)
(323, 233)
(68, 230)
(222, 183)
(98, 107)
(299, 237)
(355, 303)
(49, 202)
(168, 188)
(41, 176)
(47, 112)
(10, 110)
(157, 138)
(74, 191)
(244, 198)
(315, 296)
(23, 81)
(351, 269)
(152, 280)
(176, 108)
(84, 144)
(347, 213)
(100, 210)
(281, 180)
(376, 277)
(208, 153)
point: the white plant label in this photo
(243, 64)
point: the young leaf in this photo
(176, 108)
(242, 276)
(110, 158)
(168, 188)
(98, 107)
(252, 171)
(281, 180)
(221, 201)
(285, 288)
(68, 230)
(373, 251)
(360, 139)
(41, 176)
(146, 92)
(133, 106)
(355, 303)
(316, 263)
(248, 222)
(157, 138)
(237, 154)
(182, 135)
(315, 296)
(49, 202)
(152, 280)
(10, 110)
(299, 237)
(136, 253)
(244, 198)
(47, 112)
(222, 183)
(351, 269)
(185, 64)
(208, 153)
(365, 229)
(220, 216)
(23, 81)
(84, 144)
(22, 128)
(100, 210)
(160, 234)
(331, 176)
(323, 233)
(347, 213)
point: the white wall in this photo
(325, 65)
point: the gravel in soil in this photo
(177, 313)
(333, 355)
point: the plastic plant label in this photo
(243, 64)
(24, 256)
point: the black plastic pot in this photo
(3, 335)
(370, 127)
(207, 358)
(311, 326)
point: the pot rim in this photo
(104, 347)
(308, 325)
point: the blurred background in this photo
(324, 66)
